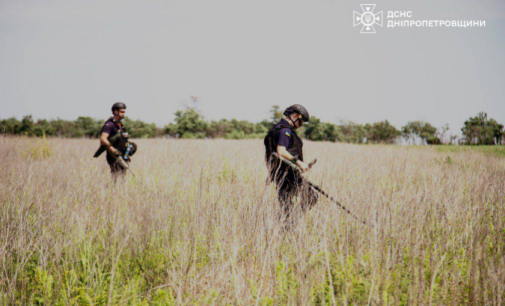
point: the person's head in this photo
(119, 110)
(297, 114)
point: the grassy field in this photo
(200, 227)
(498, 151)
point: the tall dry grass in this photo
(201, 227)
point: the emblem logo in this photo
(368, 19)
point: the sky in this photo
(68, 58)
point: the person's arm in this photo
(104, 140)
(282, 151)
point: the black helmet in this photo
(299, 109)
(118, 105)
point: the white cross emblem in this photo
(368, 19)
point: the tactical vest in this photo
(271, 141)
(118, 141)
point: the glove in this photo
(114, 152)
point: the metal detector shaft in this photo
(125, 165)
(317, 187)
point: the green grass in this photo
(498, 151)
(486, 150)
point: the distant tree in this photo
(276, 114)
(453, 139)
(322, 131)
(87, 127)
(189, 123)
(242, 125)
(480, 130)
(235, 134)
(65, 128)
(262, 127)
(381, 132)
(81, 127)
(140, 129)
(10, 126)
(352, 132)
(43, 128)
(235, 129)
(442, 132)
(218, 129)
(26, 125)
(422, 130)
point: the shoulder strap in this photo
(282, 125)
(270, 141)
(119, 125)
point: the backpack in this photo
(275, 165)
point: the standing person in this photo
(114, 140)
(282, 138)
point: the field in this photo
(200, 227)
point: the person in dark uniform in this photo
(114, 140)
(282, 138)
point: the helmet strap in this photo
(295, 121)
(298, 118)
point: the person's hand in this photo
(114, 152)
(303, 166)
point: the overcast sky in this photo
(67, 58)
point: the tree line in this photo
(190, 123)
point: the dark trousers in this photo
(291, 185)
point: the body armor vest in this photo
(271, 141)
(118, 141)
